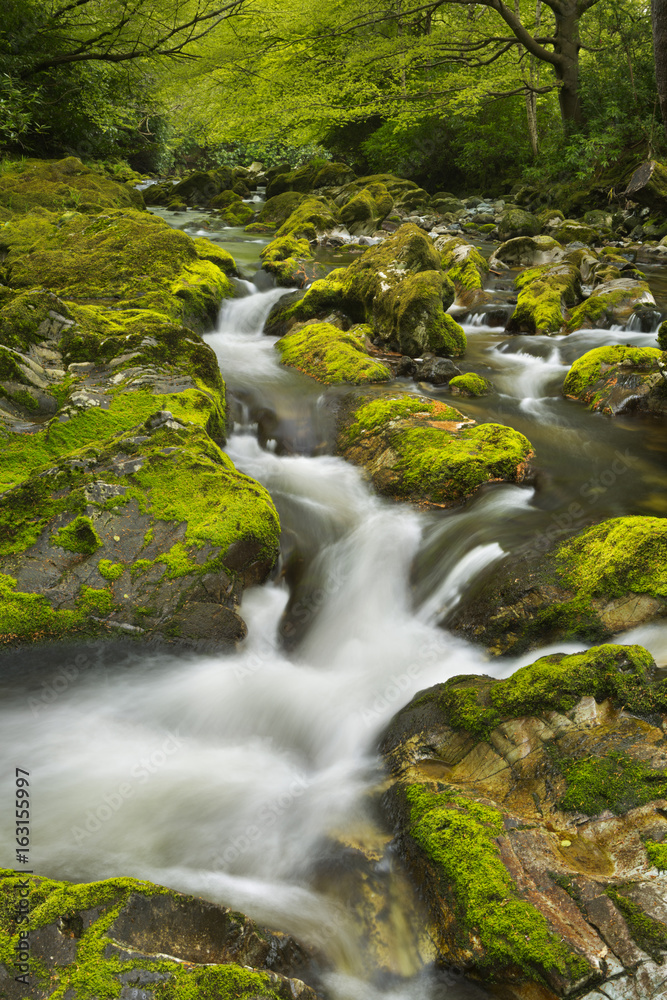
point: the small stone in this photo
(566, 843)
(116, 538)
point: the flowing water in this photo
(249, 778)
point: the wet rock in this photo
(189, 945)
(545, 293)
(466, 269)
(437, 371)
(515, 222)
(612, 303)
(529, 812)
(526, 251)
(605, 580)
(332, 355)
(417, 449)
(618, 380)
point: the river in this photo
(251, 779)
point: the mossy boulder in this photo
(526, 251)
(118, 260)
(465, 267)
(612, 303)
(399, 288)
(112, 414)
(605, 580)
(316, 173)
(515, 222)
(545, 293)
(364, 212)
(197, 189)
(61, 186)
(232, 208)
(470, 384)
(125, 938)
(619, 379)
(289, 259)
(528, 812)
(418, 449)
(331, 355)
(662, 335)
(571, 231)
(648, 186)
(310, 219)
(275, 211)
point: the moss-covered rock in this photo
(331, 355)
(316, 173)
(122, 259)
(399, 288)
(275, 211)
(545, 293)
(61, 186)
(418, 449)
(571, 231)
(619, 379)
(470, 384)
(112, 413)
(310, 219)
(289, 260)
(495, 782)
(125, 938)
(526, 251)
(648, 186)
(605, 580)
(364, 212)
(198, 189)
(611, 304)
(232, 208)
(515, 222)
(465, 267)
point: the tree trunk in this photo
(659, 13)
(567, 73)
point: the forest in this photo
(451, 94)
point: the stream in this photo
(251, 779)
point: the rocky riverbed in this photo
(309, 513)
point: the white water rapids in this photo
(232, 777)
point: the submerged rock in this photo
(418, 449)
(530, 813)
(603, 581)
(126, 938)
(618, 379)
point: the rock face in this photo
(530, 813)
(648, 186)
(415, 448)
(139, 941)
(607, 579)
(118, 508)
(615, 380)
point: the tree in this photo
(659, 18)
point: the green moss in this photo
(662, 335)
(122, 259)
(110, 570)
(283, 258)
(459, 838)
(545, 292)
(649, 934)
(278, 209)
(310, 218)
(26, 616)
(200, 487)
(78, 536)
(587, 370)
(463, 263)
(382, 412)
(606, 781)
(657, 854)
(223, 982)
(59, 185)
(473, 385)
(614, 557)
(328, 354)
(600, 309)
(553, 683)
